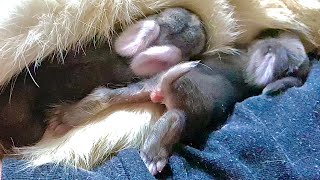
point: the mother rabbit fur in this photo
(31, 30)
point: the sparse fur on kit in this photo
(190, 99)
(31, 30)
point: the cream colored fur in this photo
(33, 29)
(302, 16)
(86, 146)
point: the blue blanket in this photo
(266, 138)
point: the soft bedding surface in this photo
(265, 138)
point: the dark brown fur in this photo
(23, 109)
(21, 117)
(196, 96)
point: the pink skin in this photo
(162, 94)
(158, 90)
(155, 59)
(157, 96)
(137, 38)
(137, 41)
(58, 128)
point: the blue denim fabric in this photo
(266, 138)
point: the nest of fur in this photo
(32, 29)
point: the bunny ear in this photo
(155, 60)
(166, 80)
(137, 38)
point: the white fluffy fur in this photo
(87, 146)
(300, 16)
(33, 29)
